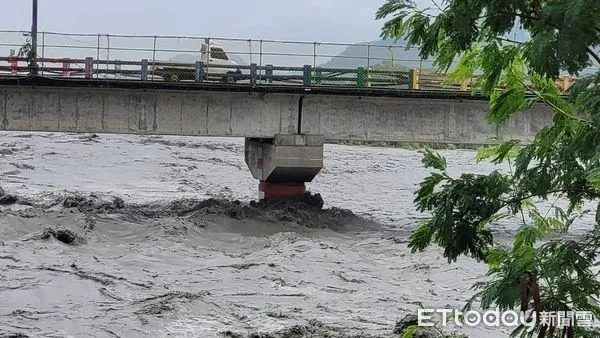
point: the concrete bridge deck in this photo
(340, 114)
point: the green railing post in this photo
(318, 75)
(200, 74)
(361, 77)
(306, 70)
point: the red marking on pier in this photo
(269, 189)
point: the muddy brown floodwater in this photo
(136, 236)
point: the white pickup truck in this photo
(212, 60)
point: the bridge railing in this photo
(277, 62)
(172, 58)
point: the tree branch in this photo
(552, 105)
(593, 54)
(510, 40)
(437, 5)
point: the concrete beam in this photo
(259, 115)
(193, 113)
(455, 121)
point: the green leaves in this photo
(495, 257)
(431, 160)
(505, 105)
(410, 331)
(421, 236)
(425, 196)
(527, 236)
(498, 153)
(561, 31)
(462, 208)
(561, 166)
(593, 176)
(407, 20)
(396, 27)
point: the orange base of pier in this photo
(268, 189)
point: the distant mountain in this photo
(392, 53)
(375, 52)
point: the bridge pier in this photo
(283, 164)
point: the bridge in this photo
(285, 111)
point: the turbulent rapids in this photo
(132, 236)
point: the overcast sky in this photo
(307, 20)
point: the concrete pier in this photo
(283, 164)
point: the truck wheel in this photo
(171, 77)
(229, 79)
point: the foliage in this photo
(560, 167)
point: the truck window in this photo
(218, 53)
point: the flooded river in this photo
(159, 247)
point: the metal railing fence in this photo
(174, 58)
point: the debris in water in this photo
(89, 223)
(89, 137)
(14, 335)
(64, 235)
(231, 334)
(313, 328)
(107, 293)
(7, 199)
(155, 309)
(23, 166)
(348, 280)
(163, 303)
(11, 148)
(278, 315)
(243, 266)
(93, 204)
(9, 258)
(305, 210)
(174, 295)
